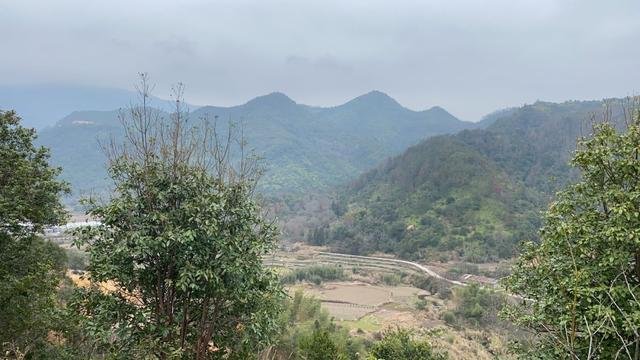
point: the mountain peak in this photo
(274, 99)
(438, 110)
(374, 98)
(378, 96)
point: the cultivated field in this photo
(376, 294)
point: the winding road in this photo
(417, 266)
(421, 268)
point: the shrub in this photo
(431, 284)
(308, 332)
(401, 345)
(449, 317)
(76, 259)
(315, 274)
(319, 346)
(391, 279)
(478, 305)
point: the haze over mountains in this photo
(42, 105)
(305, 147)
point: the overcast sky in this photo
(470, 57)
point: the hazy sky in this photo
(471, 57)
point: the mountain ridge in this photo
(473, 195)
(305, 148)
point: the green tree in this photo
(581, 281)
(319, 346)
(29, 189)
(306, 329)
(478, 305)
(181, 242)
(400, 345)
(31, 268)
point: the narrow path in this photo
(422, 268)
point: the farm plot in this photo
(365, 306)
(347, 312)
(355, 293)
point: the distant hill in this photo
(75, 145)
(42, 105)
(305, 148)
(474, 195)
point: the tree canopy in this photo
(181, 242)
(400, 345)
(31, 268)
(29, 189)
(581, 281)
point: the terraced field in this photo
(363, 302)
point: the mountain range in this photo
(305, 148)
(419, 183)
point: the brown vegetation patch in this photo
(356, 293)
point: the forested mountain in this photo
(475, 194)
(305, 148)
(75, 146)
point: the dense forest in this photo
(475, 195)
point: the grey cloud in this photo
(468, 56)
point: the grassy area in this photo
(366, 323)
(315, 274)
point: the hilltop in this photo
(305, 148)
(474, 195)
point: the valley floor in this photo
(375, 295)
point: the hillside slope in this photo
(474, 195)
(305, 148)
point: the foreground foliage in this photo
(400, 345)
(181, 245)
(582, 281)
(475, 306)
(30, 267)
(307, 332)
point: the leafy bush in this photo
(391, 279)
(31, 268)
(307, 332)
(76, 259)
(401, 345)
(477, 305)
(421, 304)
(320, 346)
(584, 275)
(449, 317)
(432, 285)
